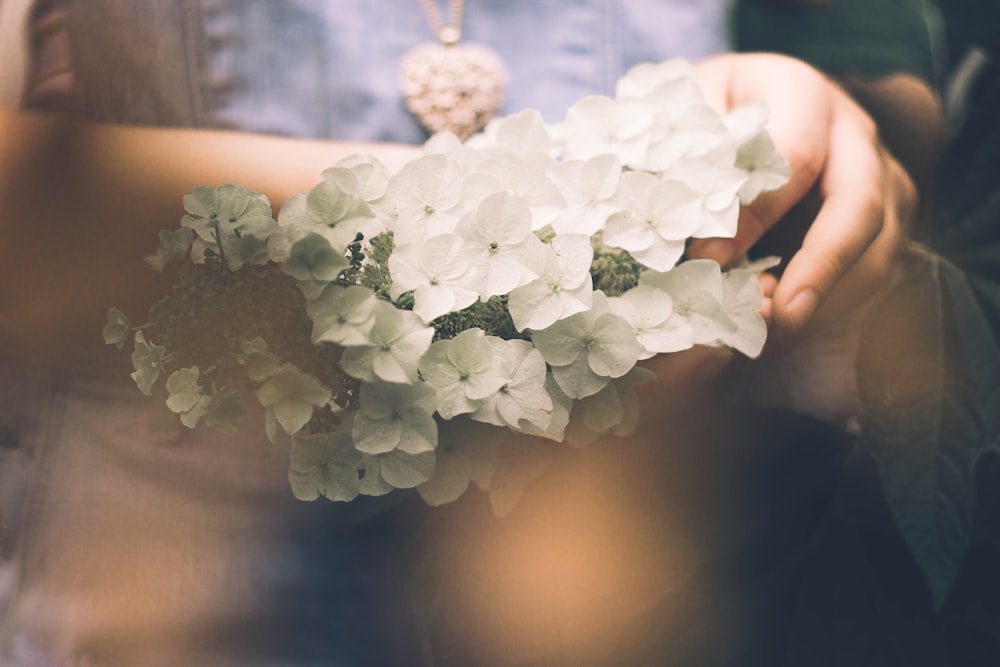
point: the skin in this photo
(864, 201)
(849, 209)
(90, 200)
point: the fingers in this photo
(800, 134)
(767, 284)
(850, 248)
(866, 200)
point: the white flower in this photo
(466, 155)
(314, 263)
(437, 271)
(186, 395)
(395, 416)
(684, 130)
(370, 177)
(656, 220)
(396, 342)
(614, 409)
(497, 233)
(719, 186)
(696, 288)
(515, 465)
(588, 187)
(755, 151)
(343, 315)
(294, 222)
(648, 311)
(765, 168)
(684, 124)
(598, 125)
(147, 360)
(464, 454)
(396, 470)
(562, 405)
(461, 372)
(290, 396)
(324, 464)
(226, 412)
(522, 396)
(425, 194)
(588, 348)
(502, 250)
(258, 361)
(230, 220)
(174, 245)
(117, 330)
(563, 288)
(669, 82)
(337, 198)
(742, 299)
(522, 134)
(371, 482)
(525, 177)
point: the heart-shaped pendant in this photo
(456, 87)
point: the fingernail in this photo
(801, 308)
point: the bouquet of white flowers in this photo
(510, 283)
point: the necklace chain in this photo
(448, 33)
(451, 86)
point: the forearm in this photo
(82, 205)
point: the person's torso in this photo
(330, 68)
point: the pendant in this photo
(455, 88)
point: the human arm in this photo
(883, 53)
(83, 203)
(865, 200)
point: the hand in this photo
(864, 200)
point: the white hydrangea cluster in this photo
(519, 211)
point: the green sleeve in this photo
(865, 38)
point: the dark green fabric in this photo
(865, 38)
(970, 24)
(966, 224)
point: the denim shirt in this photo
(329, 68)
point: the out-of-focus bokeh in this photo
(13, 47)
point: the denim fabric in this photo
(329, 68)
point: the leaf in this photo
(929, 384)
